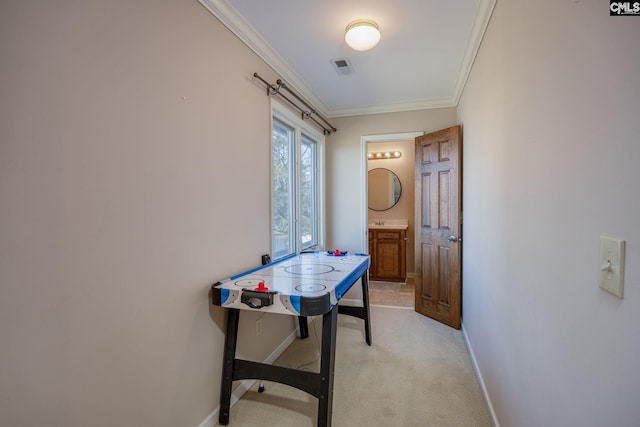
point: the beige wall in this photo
(127, 134)
(551, 151)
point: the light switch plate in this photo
(612, 265)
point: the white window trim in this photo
(281, 112)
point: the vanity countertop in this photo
(388, 227)
(389, 224)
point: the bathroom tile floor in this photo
(402, 296)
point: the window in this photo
(308, 194)
(295, 184)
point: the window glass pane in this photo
(282, 190)
(296, 176)
(308, 216)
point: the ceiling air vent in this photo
(342, 66)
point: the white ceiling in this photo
(422, 61)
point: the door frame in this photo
(364, 203)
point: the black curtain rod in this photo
(275, 90)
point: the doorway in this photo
(396, 291)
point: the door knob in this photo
(452, 239)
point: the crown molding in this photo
(250, 37)
(239, 26)
(483, 16)
(425, 104)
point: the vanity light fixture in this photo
(384, 155)
(362, 34)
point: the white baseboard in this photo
(245, 385)
(476, 368)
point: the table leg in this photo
(304, 327)
(231, 338)
(365, 301)
(361, 312)
(327, 367)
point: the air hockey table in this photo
(306, 284)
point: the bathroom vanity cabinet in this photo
(387, 249)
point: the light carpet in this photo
(417, 373)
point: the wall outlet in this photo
(612, 265)
(259, 327)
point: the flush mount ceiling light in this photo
(362, 34)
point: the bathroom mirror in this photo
(384, 189)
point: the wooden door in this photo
(438, 194)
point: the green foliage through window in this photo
(294, 190)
